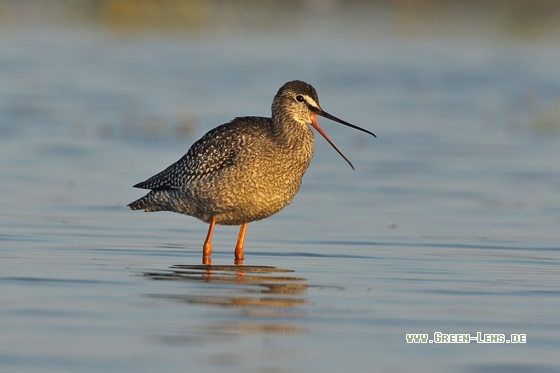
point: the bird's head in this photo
(298, 101)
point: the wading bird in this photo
(244, 170)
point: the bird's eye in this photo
(299, 98)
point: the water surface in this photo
(449, 224)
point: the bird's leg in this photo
(239, 246)
(207, 248)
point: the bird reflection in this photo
(259, 291)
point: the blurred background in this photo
(494, 18)
(360, 37)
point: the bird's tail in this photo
(155, 200)
(140, 204)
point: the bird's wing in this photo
(216, 150)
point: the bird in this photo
(245, 170)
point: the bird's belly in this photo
(233, 200)
(252, 204)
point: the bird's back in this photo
(238, 172)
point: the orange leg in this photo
(239, 246)
(207, 248)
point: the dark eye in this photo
(299, 98)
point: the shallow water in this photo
(450, 223)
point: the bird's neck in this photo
(286, 130)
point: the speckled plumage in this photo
(244, 170)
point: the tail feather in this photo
(139, 204)
(155, 200)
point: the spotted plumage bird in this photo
(245, 170)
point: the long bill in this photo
(315, 125)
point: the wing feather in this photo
(217, 149)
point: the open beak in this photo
(315, 125)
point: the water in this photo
(450, 223)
